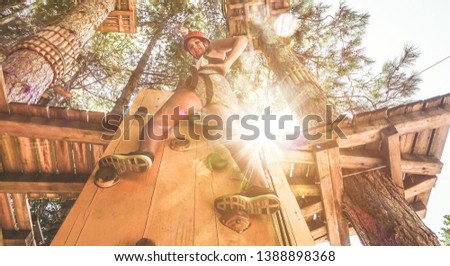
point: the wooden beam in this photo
(18, 238)
(421, 164)
(41, 183)
(407, 123)
(301, 190)
(22, 211)
(57, 129)
(420, 209)
(332, 188)
(296, 227)
(418, 185)
(309, 211)
(391, 153)
(7, 221)
(1, 237)
(4, 107)
(410, 163)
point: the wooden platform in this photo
(172, 204)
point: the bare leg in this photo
(164, 119)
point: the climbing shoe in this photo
(132, 162)
(255, 200)
(112, 166)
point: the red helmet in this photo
(194, 34)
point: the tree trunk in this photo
(133, 81)
(380, 214)
(55, 48)
(299, 87)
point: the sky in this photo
(425, 24)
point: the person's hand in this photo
(221, 68)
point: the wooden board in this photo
(82, 157)
(64, 157)
(22, 211)
(391, 153)
(115, 216)
(57, 129)
(8, 152)
(171, 215)
(331, 184)
(6, 213)
(4, 108)
(228, 181)
(28, 154)
(41, 183)
(45, 156)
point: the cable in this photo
(435, 64)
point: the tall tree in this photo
(133, 81)
(445, 231)
(38, 61)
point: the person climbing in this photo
(212, 94)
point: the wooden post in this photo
(4, 107)
(391, 151)
(331, 185)
(23, 215)
(1, 237)
(294, 224)
(6, 213)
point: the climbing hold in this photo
(238, 221)
(216, 161)
(180, 144)
(106, 177)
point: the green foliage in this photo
(49, 214)
(445, 231)
(20, 21)
(328, 42)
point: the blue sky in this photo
(425, 24)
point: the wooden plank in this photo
(419, 184)
(8, 151)
(45, 156)
(428, 165)
(174, 200)
(22, 211)
(302, 190)
(4, 107)
(374, 116)
(82, 158)
(1, 234)
(359, 159)
(226, 182)
(97, 153)
(391, 153)
(438, 142)
(57, 129)
(205, 221)
(92, 221)
(420, 209)
(310, 210)
(407, 123)
(64, 157)
(41, 183)
(331, 185)
(18, 238)
(28, 156)
(338, 191)
(6, 213)
(296, 226)
(69, 196)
